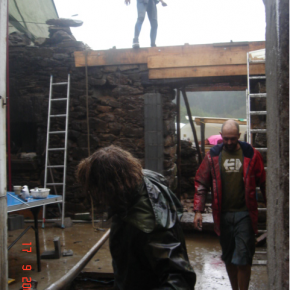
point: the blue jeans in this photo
(151, 9)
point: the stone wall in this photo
(116, 111)
(189, 166)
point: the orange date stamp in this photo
(26, 281)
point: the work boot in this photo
(135, 43)
(153, 45)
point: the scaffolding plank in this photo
(214, 56)
(216, 87)
(140, 56)
(206, 71)
(217, 120)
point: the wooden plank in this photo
(216, 88)
(128, 56)
(140, 56)
(215, 56)
(206, 71)
(217, 120)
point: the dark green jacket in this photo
(147, 243)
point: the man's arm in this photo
(163, 3)
(198, 221)
(202, 185)
(127, 2)
(260, 175)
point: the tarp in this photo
(29, 16)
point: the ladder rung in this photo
(262, 231)
(255, 78)
(54, 184)
(59, 84)
(263, 95)
(258, 130)
(258, 112)
(55, 166)
(57, 132)
(262, 209)
(260, 252)
(55, 149)
(256, 61)
(60, 115)
(261, 149)
(59, 99)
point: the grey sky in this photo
(109, 23)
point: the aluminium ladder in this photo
(63, 149)
(249, 96)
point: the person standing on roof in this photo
(144, 6)
(232, 170)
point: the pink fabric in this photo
(213, 140)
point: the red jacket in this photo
(209, 176)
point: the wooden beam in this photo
(217, 120)
(213, 56)
(206, 71)
(140, 56)
(216, 87)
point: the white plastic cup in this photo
(17, 189)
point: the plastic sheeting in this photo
(29, 16)
(257, 55)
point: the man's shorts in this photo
(237, 238)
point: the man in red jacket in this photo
(232, 170)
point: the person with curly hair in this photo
(146, 240)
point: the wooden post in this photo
(3, 188)
(178, 145)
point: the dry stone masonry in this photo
(116, 110)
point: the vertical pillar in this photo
(277, 86)
(178, 144)
(154, 145)
(3, 200)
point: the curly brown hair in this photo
(110, 175)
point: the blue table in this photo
(14, 203)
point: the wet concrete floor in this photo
(204, 253)
(203, 250)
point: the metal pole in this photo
(202, 137)
(68, 278)
(178, 145)
(35, 212)
(87, 104)
(3, 185)
(8, 115)
(191, 124)
(248, 102)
